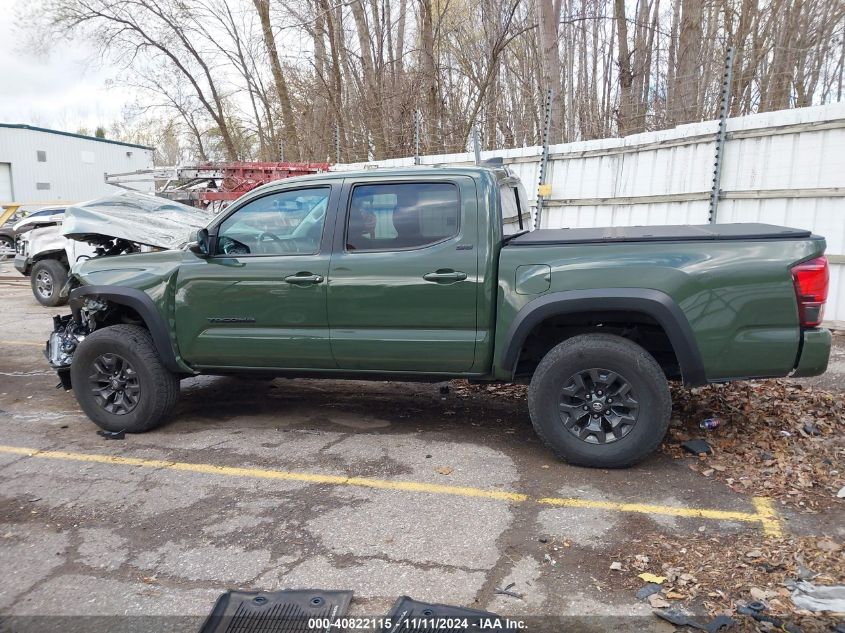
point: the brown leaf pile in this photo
(778, 438)
(717, 575)
(464, 389)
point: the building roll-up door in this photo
(5, 182)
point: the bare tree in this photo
(221, 72)
(262, 7)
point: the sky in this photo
(63, 90)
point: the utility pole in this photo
(476, 145)
(724, 113)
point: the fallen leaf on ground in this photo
(762, 594)
(647, 577)
(825, 544)
(763, 447)
(658, 602)
(444, 470)
(715, 574)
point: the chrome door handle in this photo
(443, 275)
(305, 278)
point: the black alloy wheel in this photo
(598, 406)
(114, 384)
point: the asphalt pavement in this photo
(386, 489)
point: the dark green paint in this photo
(374, 312)
(815, 353)
(737, 296)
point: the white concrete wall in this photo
(74, 168)
(785, 167)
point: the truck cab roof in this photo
(498, 172)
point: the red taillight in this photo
(811, 280)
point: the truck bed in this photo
(668, 233)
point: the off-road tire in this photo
(159, 388)
(616, 354)
(57, 273)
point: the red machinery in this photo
(235, 179)
(212, 184)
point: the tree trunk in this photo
(624, 118)
(687, 95)
(548, 13)
(428, 69)
(290, 134)
(335, 86)
(373, 98)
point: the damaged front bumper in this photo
(66, 337)
(68, 332)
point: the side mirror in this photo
(201, 245)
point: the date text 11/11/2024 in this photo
(417, 623)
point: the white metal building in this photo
(40, 166)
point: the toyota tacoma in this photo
(421, 274)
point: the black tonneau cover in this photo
(670, 233)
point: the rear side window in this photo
(513, 209)
(398, 216)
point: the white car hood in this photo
(34, 222)
(135, 217)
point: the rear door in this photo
(403, 275)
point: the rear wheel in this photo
(600, 400)
(120, 382)
(47, 279)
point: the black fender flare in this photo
(139, 301)
(42, 255)
(658, 305)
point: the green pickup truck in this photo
(421, 274)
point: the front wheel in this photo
(600, 400)
(120, 381)
(7, 247)
(48, 277)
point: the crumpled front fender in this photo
(144, 306)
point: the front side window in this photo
(397, 216)
(284, 223)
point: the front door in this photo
(403, 276)
(260, 299)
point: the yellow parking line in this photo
(772, 525)
(29, 343)
(765, 513)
